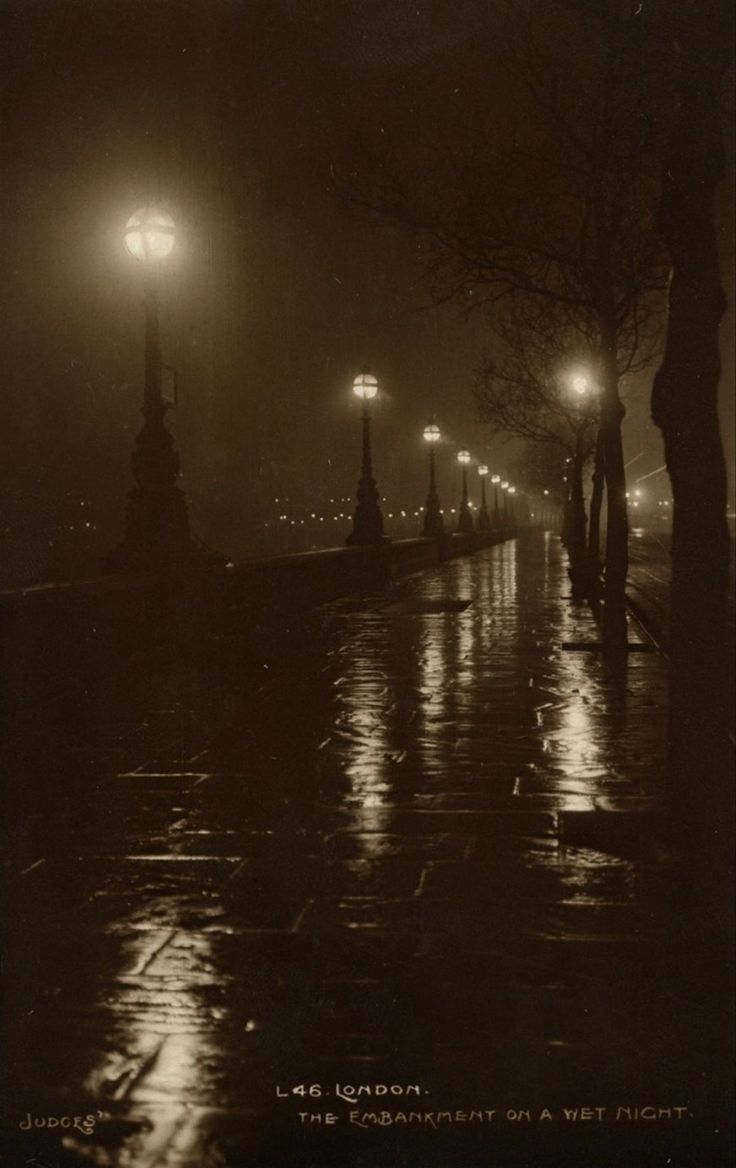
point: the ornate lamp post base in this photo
(465, 521)
(367, 520)
(433, 526)
(157, 534)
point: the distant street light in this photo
(157, 524)
(433, 526)
(484, 519)
(465, 519)
(367, 519)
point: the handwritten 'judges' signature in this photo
(81, 1123)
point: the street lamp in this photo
(465, 519)
(367, 518)
(433, 526)
(505, 515)
(484, 520)
(511, 511)
(157, 523)
(496, 479)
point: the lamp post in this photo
(367, 518)
(433, 526)
(157, 523)
(484, 519)
(465, 519)
(511, 508)
(584, 552)
(505, 515)
(496, 479)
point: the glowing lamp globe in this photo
(365, 386)
(483, 470)
(431, 433)
(512, 490)
(495, 478)
(580, 385)
(463, 457)
(149, 234)
(505, 485)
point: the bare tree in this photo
(554, 203)
(538, 387)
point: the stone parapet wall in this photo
(82, 629)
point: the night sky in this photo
(241, 118)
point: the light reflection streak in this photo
(365, 702)
(162, 1038)
(433, 686)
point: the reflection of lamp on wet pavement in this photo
(433, 526)
(496, 479)
(367, 519)
(157, 524)
(484, 520)
(465, 519)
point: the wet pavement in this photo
(344, 872)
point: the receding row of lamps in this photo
(368, 520)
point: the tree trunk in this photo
(617, 529)
(596, 504)
(576, 547)
(684, 406)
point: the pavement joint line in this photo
(301, 915)
(30, 868)
(141, 968)
(244, 861)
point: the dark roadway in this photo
(342, 857)
(649, 579)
